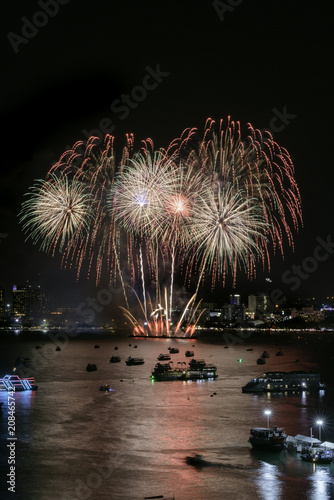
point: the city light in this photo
(268, 413)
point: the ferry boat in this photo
(284, 381)
(262, 438)
(15, 383)
(197, 370)
(134, 361)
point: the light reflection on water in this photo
(76, 442)
(269, 484)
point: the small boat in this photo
(280, 353)
(189, 354)
(115, 348)
(173, 350)
(97, 346)
(164, 357)
(262, 438)
(197, 460)
(249, 349)
(105, 387)
(58, 348)
(134, 361)
(265, 354)
(91, 367)
(115, 359)
(261, 361)
(316, 455)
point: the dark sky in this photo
(249, 59)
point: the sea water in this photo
(75, 442)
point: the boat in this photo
(15, 383)
(173, 350)
(96, 346)
(105, 387)
(164, 357)
(58, 348)
(284, 381)
(134, 361)
(189, 354)
(115, 359)
(280, 353)
(197, 460)
(265, 354)
(91, 367)
(317, 455)
(196, 370)
(261, 361)
(263, 438)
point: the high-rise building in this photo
(20, 301)
(28, 302)
(235, 300)
(2, 302)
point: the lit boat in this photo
(262, 438)
(284, 381)
(164, 357)
(105, 387)
(134, 361)
(14, 382)
(197, 370)
(316, 455)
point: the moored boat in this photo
(173, 350)
(284, 381)
(134, 361)
(263, 438)
(164, 357)
(317, 455)
(91, 367)
(115, 359)
(189, 354)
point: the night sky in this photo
(254, 60)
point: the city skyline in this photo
(134, 99)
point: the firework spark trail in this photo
(143, 279)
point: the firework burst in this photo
(214, 204)
(58, 211)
